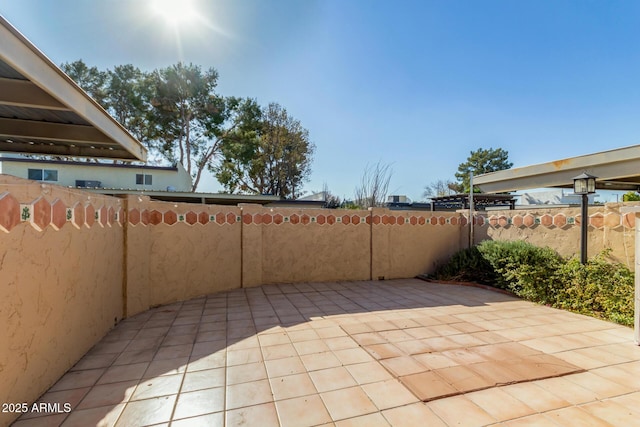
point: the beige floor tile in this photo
(105, 416)
(460, 411)
(369, 338)
(351, 356)
(199, 402)
(368, 372)
(310, 346)
(121, 373)
(274, 339)
(248, 394)
(216, 419)
(246, 373)
(463, 379)
(389, 394)
(600, 386)
(341, 343)
(78, 379)
(243, 356)
(535, 397)
(200, 380)
(332, 379)
(291, 386)
(347, 403)
(317, 361)
(44, 421)
(537, 420)
(434, 360)
(383, 351)
(286, 366)
(428, 385)
(613, 413)
(575, 416)
(263, 415)
(94, 362)
(414, 415)
(159, 386)
(147, 412)
(108, 395)
(404, 365)
(278, 351)
(500, 405)
(370, 420)
(166, 367)
(302, 411)
(567, 390)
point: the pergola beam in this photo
(23, 93)
(65, 150)
(26, 129)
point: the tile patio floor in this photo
(399, 353)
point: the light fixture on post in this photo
(583, 185)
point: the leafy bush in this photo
(598, 288)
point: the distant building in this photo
(551, 197)
(97, 175)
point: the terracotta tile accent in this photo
(596, 220)
(368, 219)
(629, 220)
(385, 219)
(295, 219)
(145, 217)
(111, 216)
(155, 217)
(480, 220)
(376, 219)
(58, 214)
(433, 220)
(578, 219)
(355, 219)
(392, 220)
(463, 220)
(560, 220)
(413, 220)
(267, 219)
(503, 221)
(246, 219)
(170, 217)
(305, 219)
(278, 219)
(77, 215)
(41, 214)
(442, 220)
(346, 219)
(220, 218)
(422, 220)
(453, 220)
(529, 220)
(89, 215)
(257, 219)
(120, 218)
(517, 221)
(191, 218)
(428, 385)
(134, 216)
(546, 220)
(321, 219)
(612, 220)
(493, 220)
(104, 216)
(9, 212)
(231, 218)
(400, 220)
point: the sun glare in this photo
(174, 12)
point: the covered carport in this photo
(617, 169)
(43, 111)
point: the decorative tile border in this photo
(611, 220)
(41, 213)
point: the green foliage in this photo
(274, 157)
(599, 288)
(631, 196)
(482, 161)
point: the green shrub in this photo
(599, 288)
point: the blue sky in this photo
(418, 84)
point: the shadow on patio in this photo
(400, 353)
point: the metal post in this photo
(470, 209)
(583, 228)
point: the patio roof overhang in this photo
(617, 169)
(43, 111)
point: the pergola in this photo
(617, 169)
(43, 111)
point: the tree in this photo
(631, 196)
(189, 121)
(274, 159)
(374, 186)
(127, 98)
(90, 79)
(482, 161)
(441, 188)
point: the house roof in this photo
(43, 111)
(86, 164)
(617, 169)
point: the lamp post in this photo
(583, 185)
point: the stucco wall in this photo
(60, 282)
(559, 228)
